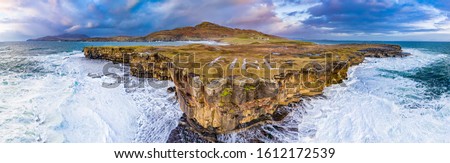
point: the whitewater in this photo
(380, 102)
(49, 96)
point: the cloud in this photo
(91, 24)
(310, 19)
(337, 19)
(73, 28)
(256, 15)
(131, 4)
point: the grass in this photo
(278, 52)
(226, 92)
(249, 88)
(247, 40)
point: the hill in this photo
(205, 31)
(62, 37)
(208, 31)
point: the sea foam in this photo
(373, 105)
(52, 98)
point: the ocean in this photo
(50, 93)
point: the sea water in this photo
(49, 92)
(383, 100)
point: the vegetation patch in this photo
(226, 92)
(249, 88)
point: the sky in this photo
(387, 20)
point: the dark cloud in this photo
(368, 16)
(107, 17)
(327, 19)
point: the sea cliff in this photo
(225, 88)
(243, 90)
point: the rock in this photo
(280, 113)
(384, 51)
(216, 104)
(403, 54)
(171, 89)
(184, 133)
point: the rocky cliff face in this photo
(235, 101)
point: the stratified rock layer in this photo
(225, 88)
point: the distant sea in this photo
(48, 93)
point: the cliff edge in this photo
(225, 88)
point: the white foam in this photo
(372, 108)
(66, 105)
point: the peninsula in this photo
(225, 88)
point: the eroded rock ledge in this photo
(225, 88)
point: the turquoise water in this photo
(435, 77)
(48, 93)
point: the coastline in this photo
(169, 72)
(157, 119)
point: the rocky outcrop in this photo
(385, 51)
(226, 88)
(236, 101)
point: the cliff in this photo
(224, 88)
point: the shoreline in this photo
(186, 91)
(422, 60)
